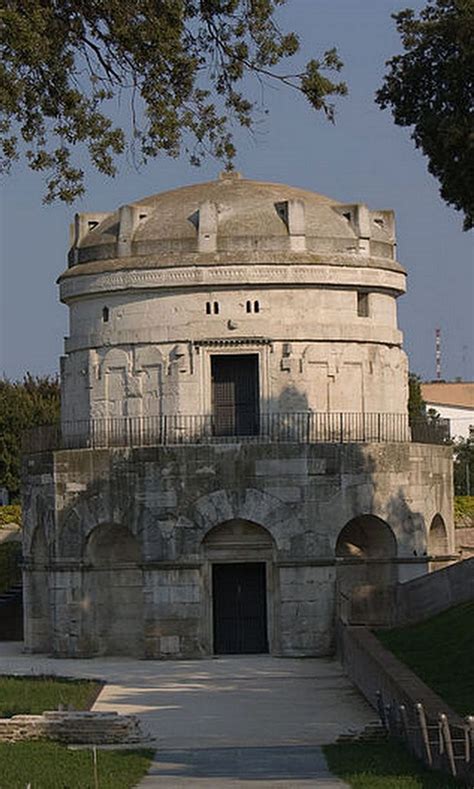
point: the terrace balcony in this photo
(305, 427)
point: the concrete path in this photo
(224, 722)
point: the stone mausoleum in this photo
(234, 460)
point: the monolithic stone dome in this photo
(210, 223)
(305, 284)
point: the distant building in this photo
(453, 401)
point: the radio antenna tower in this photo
(438, 354)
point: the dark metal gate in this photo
(239, 608)
(235, 394)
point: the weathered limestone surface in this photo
(91, 728)
(118, 548)
(204, 312)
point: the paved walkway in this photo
(226, 722)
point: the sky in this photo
(364, 157)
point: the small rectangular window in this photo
(208, 307)
(105, 314)
(216, 308)
(248, 306)
(362, 305)
(256, 306)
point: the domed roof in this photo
(211, 223)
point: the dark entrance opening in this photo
(239, 608)
(235, 394)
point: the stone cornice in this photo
(232, 276)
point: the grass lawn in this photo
(34, 695)
(441, 652)
(384, 765)
(47, 765)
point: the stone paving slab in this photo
(284, 767)
(224, 722)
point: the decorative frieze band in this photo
(323, 275)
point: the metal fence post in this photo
(420, 712)
(446, 737)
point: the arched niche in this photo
(113, 592)
(36, 595)
(111, 545)
(366, 537)
(438, 537)
(366, 547)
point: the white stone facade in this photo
(322, 276)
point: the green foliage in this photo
(10, 571)
(432, 649)
(179, 63)
(386, 765)
(47, 765)
(10, 513)
(464, 510)
(416, 404)
(463, 467)
(34, 695)
(23, 404)
(431, 88)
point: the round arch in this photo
(366, 547)
(113, 591)
(366, 537)
(238, 570)
(238, 536)
(112, 544)
(251, 505)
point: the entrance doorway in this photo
(239, 608)
(235, 394)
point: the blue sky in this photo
(363, 158)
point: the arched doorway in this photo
(366, 547)
(113, 592)
(239, 557)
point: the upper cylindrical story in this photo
(180, 296)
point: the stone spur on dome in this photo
(235, 461)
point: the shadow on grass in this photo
(26, 695)
(386, 765)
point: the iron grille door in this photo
(235, 394)
(239, 608)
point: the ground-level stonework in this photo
(187, 551)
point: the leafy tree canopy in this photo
(416, 404)
(23, 404)
(464, 467)
(431, 88)
(179, 63)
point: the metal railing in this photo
(439, 742)
(304, 427)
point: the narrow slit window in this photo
(256, 306)
(105, 314)
(208, 307)
(248, 306)
(362, 305)
(216, 308)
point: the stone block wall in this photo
(119, 550)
